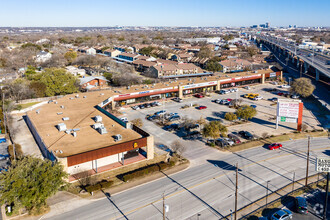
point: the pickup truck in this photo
(3, 140)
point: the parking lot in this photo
(264, 122)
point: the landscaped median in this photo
(121, 179)
(276, 139)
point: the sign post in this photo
(323, 165)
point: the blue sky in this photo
(36, 13)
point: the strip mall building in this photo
(79, 131)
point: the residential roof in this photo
(90, 78)
(144, 63)
(129, 54)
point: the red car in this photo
(280, 93)
(199, 96)
(229, 100)
(202, 107)
(274, 146)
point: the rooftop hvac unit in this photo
(71, 98)
(61, 127)
(62, 106)
(102, 130)
(66, 119)
(55, 102)
(38, 111)
(98, 118)
(50, 101)
(74, 134)
(97, 125)
(76, 129)
(84, 96)
(77, 96)
(68, 131)
(59, 113)
(102, 93)
(118, 137)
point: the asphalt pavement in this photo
(206, 190)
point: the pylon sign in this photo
(289, 111)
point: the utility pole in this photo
(164, 207)
(326, 199)
(307, 161)
(236, 189)
(3, 111)
(294, 175)
(267, 194)
(301, 69)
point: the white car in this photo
(229, 141)
(285, 86)
(247, 87)
(234, 90)
(258, 98)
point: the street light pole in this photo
(326, 199)
(294, 175)
(164, 207)
(307, 161)
(267, 194)
(236, 189)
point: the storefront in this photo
(199, 88)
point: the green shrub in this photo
(230, 116)
(18, 151)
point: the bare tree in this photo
(177, 147)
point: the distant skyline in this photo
(100, 13)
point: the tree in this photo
(213, 66)
(187, 123)
(30, 71)
(39, 88)
(246, 112)
(230, 116)
(137, 122)
(58, 82)
(29, 182)
(146, 50)
(302, 86)
(70, 56)
(205, 52)
(178, 147)
(252, 50)
(213, 129)
(108, 76)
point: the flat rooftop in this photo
(81, 113)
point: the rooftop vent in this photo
(74, 134)
(50, 101)
(62, 106)
(118, 137)
(71, 98)
(98, 118)
(61, 127)
(55, 102)
(97, 125)
(65, 118)
(76, 129)
(38, 111)
(102, 93)
(84, 96)
(102, 130)
(61, 152)
(77, 96)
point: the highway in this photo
(314, 59)
(207, 189)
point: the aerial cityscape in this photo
(177, 110)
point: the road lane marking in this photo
(208, 180)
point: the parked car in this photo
(280, 93)
(177, 99)
(285, 86)
(246, 135)
(136, 107)
(294, 96)
(147, 105)
(174, 118)
(233, 90)
(234, 138)
(153, 104)
(247, 87)
(257, 98)
(141, 106)
(152, 117)
(199, 96)
(273, 99)
(282, 214)
(224, 102)
(194, 134)
(252, 96)
(229, 141)
(172, 127)
(161, 112)
(3, 140)
(217, 100)
(274, 146)
(221, 142)
(224, 92)
(169, 115)
(202, 107)
(253, 106)
(301, 205)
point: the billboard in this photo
(288, 109)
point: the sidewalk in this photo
(249, 209)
